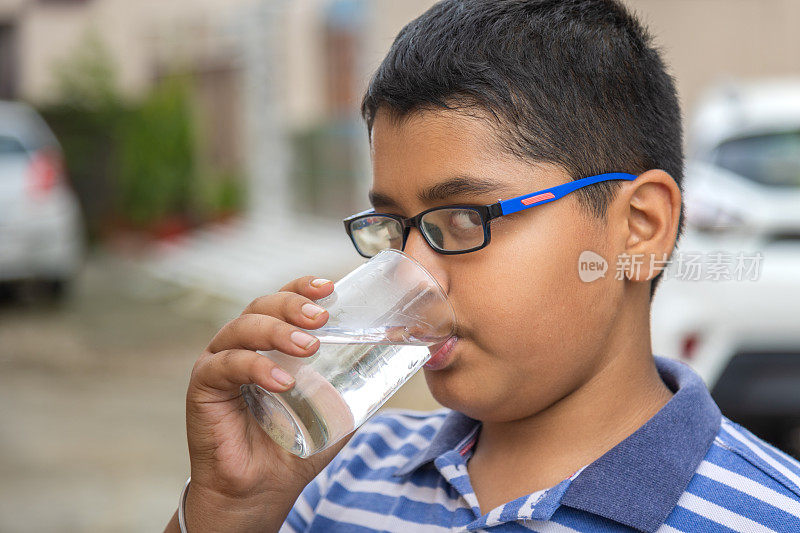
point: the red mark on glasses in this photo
(538, 198)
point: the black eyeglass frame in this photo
(486, 212)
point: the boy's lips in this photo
(441, 352)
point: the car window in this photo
(772, 159)
(10, 145)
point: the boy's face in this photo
(530, 331)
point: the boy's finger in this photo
(227, 370)
(312, 287)
(263, 332)
(289, 307)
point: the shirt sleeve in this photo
(302, 512)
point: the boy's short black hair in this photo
(578, 83)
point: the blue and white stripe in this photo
(405, 471)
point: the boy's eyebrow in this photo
(441, 191)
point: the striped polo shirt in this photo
(687, 469)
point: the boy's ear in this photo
(651, 206)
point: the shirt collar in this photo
(639, 481)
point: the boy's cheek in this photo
(525, 291)
(536, 330)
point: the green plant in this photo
(220, 193)
(85, 115)
(157, 163)
(134, 163)
(87, 77)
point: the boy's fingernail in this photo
(311, 310)
(319, 282)
(302, 339)
(281, 376)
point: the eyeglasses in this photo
(452, 229)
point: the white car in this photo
(41, 228)
(740, 327)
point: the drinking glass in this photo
(383, 316)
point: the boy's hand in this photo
(241, 479)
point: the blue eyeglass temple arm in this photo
(512, 205)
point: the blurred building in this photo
(300, 55)
(703, 40)
(278, 82)
(323, 52)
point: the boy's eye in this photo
(465, 219)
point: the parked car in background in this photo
(742, 199)
(41, 228)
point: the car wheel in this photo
(53, 290)
(9, 292)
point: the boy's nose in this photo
(418, 248)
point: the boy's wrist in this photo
(208, 510)
(182, 506)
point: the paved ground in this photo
(92, 402)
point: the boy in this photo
(557, 415)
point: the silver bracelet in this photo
(182, 506)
